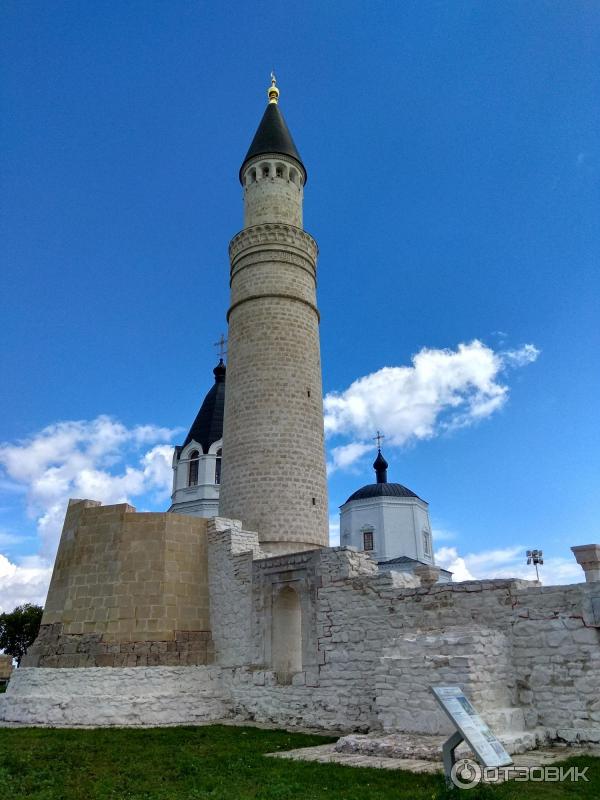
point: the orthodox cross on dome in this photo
(379, 438)
(221, 344)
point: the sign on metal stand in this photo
(470, 728)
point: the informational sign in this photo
(473, 729)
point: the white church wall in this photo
(201, 499)
(397, 523)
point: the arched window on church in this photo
(218, 466)
(193, 468)
(368, 543)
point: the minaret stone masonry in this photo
(273, 475)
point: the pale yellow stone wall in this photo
(129, 576)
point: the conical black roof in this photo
(273, 136)
(207, 428)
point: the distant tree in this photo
(19, 629)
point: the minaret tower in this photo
(273, 475)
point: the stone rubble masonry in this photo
(372, 644)
(127, 589)
(98, 697)
(230, 556)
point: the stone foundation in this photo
(104, 697)
(54, 648)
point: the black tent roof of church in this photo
(207, 428)
(272, 136)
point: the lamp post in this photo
(535, 557)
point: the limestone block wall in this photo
(477, 659)
(230, 555)
(527, 656)
(273, 190)
(122, 697)
(127, 589)
(556, 654)
(273, 476)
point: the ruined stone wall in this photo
(527, 656)
(189, 695)
(556, 656)
(127, 589)
(371, 645)
(230, 555)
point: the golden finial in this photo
(273, 91)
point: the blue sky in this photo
(454, 186)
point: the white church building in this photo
(390, 523)
(197, 462)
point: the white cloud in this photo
(26, 582)
(442, 390)
(441, 534)
(509, 562)
(86, 459)
(100, 459)
(521, 357)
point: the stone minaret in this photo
(273, 455)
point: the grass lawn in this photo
(217, 762)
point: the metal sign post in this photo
(470, 728)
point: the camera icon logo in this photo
(465, 773)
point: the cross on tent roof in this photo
(221, 345)
(379, 438)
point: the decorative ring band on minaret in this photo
(273, 233)
(277, 295)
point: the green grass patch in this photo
(218, 762)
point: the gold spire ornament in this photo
(273, 91)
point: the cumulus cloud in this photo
(508, 562)
(25, 582)
(100, 459)
(86, 459)
(442, 390)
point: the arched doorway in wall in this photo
(286, 639)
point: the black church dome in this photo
(207, 428)
(382, 490)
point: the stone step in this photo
(508, 720)
(522, 741)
